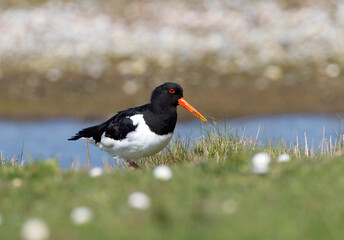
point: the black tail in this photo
(90, 132)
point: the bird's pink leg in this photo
(133, 165)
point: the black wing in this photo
(116, 127)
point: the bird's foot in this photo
(133, 166)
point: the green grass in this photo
(300, 199)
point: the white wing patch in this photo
(139, 143)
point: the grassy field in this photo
(213, 194)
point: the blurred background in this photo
(88, 59)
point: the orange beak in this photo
(182, 102)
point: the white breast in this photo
(140, 143)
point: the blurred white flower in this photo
(138, 67)
(35, 229)
(162, 172)
(96, 172)
(283, 158)
(0, 219)
(332, 70)
(229, 206)
(139, 200)
(81, 215)
(17, 182)
(273, 72)
(260, 163)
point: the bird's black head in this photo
(167, 95)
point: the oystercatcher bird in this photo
(141, 131)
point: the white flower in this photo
(35, 229)
(283, 158)
(139, 200)
(273, 72)
(229, 206)
(17, 182)
(96, 172)
(332, 70)
(162, 172)
(260, 163)
(81, 215)
(0, 219)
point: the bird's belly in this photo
(135, 147)
(137, 144)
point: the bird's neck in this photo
(160, 107)
(162, 120)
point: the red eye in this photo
(172, 90)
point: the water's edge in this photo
(48, 138)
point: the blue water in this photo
(44, 139)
